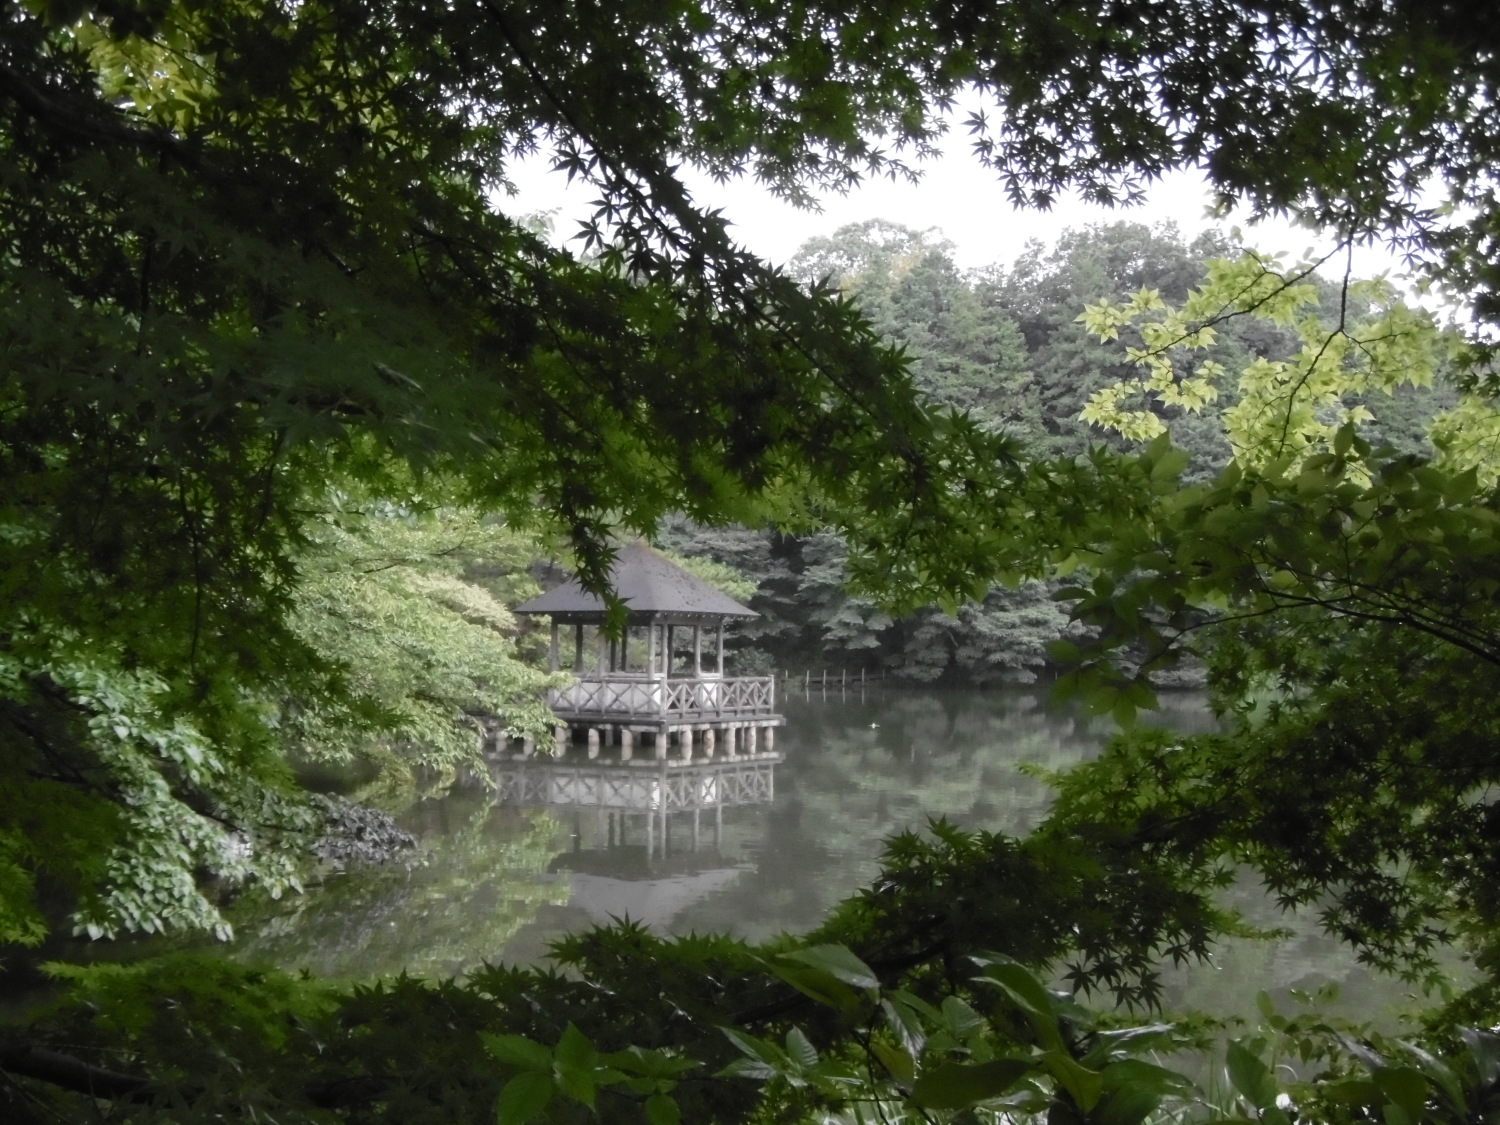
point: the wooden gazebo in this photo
(652, 681)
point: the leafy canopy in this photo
(255, 248)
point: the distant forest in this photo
(1006, 346)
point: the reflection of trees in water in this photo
(897, 760)
(483, 879)
(855, 773)
(858, 771)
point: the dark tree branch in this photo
(81, 126)
(69, 1073)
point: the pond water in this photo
(499, 881)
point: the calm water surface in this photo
(498, 882)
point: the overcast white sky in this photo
(956, 196)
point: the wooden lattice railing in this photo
(665, 699)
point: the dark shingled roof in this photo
(647, 583)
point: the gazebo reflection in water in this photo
(619, 795)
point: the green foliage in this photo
(422, 653)
(1283, 407)
(254, 253)
(964, 352)
(574, 1069)
(140, 1001)
(128, 843)
(857, 1043)
(1342, 599)
(973, 341)
(1002, 638)
(401, 654)
(251, 250)
(1046, 287)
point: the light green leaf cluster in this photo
(1468, 437)
(1284, 410)
(427, 658)
(1107, 406)
(162, 78)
